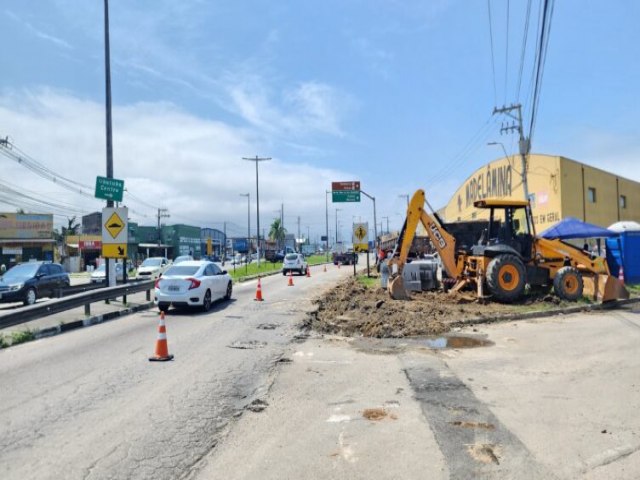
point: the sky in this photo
(397, 94)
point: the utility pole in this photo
(162, 213)
(524, 143)
(404, 195)
(257, 160)
(110, 263)
(337, 210)
(298, 229)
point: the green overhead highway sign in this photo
(345, 196)
(109, 188)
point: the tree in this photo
(277, 232)
(71, 228)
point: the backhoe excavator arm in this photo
(444, 243)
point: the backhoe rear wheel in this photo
(506, 278)
(568, 284)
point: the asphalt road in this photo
(88, 404)
(555, 398)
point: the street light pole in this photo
(326, 205)
(337, 210)
(502, 145)
(257, 160)
(404, 195)
(248, 195)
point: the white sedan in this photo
(192, 283)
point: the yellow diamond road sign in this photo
(114, 229)
(114, 225)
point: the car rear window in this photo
(291, 256)
(182, 270)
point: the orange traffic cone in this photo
(259, 292)
(162, 349)
(621, 274)
(325, 268)
(338, 264)
(308, 271)
(290, 284)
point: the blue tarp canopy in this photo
(571, 227)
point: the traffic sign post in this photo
(115, 232)
(109, 189)
(360, 238)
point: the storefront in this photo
(26, 237)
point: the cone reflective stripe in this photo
(162, 349)
(290, 284)
(258, 292)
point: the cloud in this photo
(39, 33)
(166, 156)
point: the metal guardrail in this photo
(84, 299)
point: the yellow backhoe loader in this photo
(506, 258)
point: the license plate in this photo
(173, 288)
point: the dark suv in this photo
(28, 281)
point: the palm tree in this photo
(277, 232)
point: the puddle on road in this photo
(398, 345)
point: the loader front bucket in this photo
(604, 288)
(396, 289)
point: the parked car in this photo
(183, 258)
(294, 262)
(152, 268)
(192, 283)
(29, 281)
(99, 275)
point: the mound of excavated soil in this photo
(351, 309)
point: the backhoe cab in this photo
(507, 257)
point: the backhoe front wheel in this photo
(506, 278)
(568, 284)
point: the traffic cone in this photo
(290, 284)
(621, 274)
(162, 349)
(308, 271)
(338, 264)
(325, 267)
(258, 292)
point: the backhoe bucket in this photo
(604, 288)
(396, 289)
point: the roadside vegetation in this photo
(16, 338)
(238, 272)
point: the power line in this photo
(506, 58)
(493, 65)
(525, 36)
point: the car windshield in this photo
(101, 268)
(291, 256)
(152, 262)
(182, 270)
(183, 258)
(21, 272)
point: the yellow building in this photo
(558, 188)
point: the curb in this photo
(87, 322)
(542, 314)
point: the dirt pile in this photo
(352, 309)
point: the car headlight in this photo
(15, 287)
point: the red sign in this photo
(342, 186)
(90, 244)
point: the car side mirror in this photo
(224, 272)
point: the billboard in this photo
(26, 226)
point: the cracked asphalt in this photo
(89, 405)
